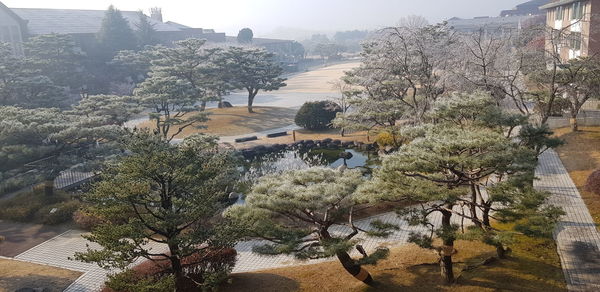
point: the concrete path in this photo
(577, 238)
(57, 251)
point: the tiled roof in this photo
(70, 21)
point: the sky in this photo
(268, 16)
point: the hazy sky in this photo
(265, 16)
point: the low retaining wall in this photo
(561, 122)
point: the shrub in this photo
(317, 115)
(63, 212)
(86, 220)
(385, 139)
(592, 184)
(209, 268)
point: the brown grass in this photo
(410, 268)
(15, 275)
(237, 121)
(581, 156)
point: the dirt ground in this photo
(410, 268)
(20, 237)
(15, 275)
(581, 156)
(237, 121)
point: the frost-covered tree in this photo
(57, 57)
(301, 212)
(162, 193)
(114, 110)
(180, 78)
(48, 140)
(254, 70)
(24, 86)
(405, 65)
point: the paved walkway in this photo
(57, 251)
(576, 235)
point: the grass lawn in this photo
(581, 156)
(15, 275)
(237, 121)
(533, 266)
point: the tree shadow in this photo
(51, 283)
(263, 282)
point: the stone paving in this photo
(57, 251)
(577, 238)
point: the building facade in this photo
(574, 28)
(17, 24)
(12, 29)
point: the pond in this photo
(285, 160)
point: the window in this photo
(577, 10)
(575, 41)
(559, 13)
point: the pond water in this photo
(285, 160)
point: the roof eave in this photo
(558, 3)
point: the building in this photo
(16, 24)
(495, 25)
(575, 32)
(527, 8)
(12, 29)
(509, 21)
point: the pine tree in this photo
(298, 210)
(115, 34)
(254, 70)
(145, 32)
(165, 194)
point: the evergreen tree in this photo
(58, 57)
(114, 110)
(22, 85)
(48, 141)
(254, 70)
(180, 78)
(245, 36)
(298, 211)
(115, 34)
(145, 32)
(165, 194)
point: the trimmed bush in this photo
(317, 115)
(209, 268)
(592, 184)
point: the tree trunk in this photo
(473, 207)
(574, 125)
(177, 268)
(250, 102)
(49, 187)
(353, 269)
(349, 264)
(203, 106)
(447, 250)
